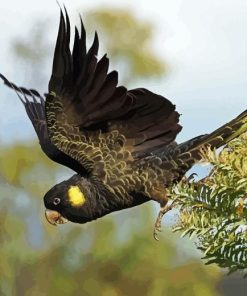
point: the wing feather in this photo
(34, 105)
(93, 100)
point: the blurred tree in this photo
(32, 52)
(129, 44)
(113, 256)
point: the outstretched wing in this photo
(97, 123)
(92, 100)
(34, 105)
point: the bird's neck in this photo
(105, 201)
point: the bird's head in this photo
(70, 200)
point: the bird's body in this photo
(121, 143)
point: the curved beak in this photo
(55, 218)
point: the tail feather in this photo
(216, 139)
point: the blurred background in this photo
(192, 52)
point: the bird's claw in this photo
(157, 229)
(157, 225)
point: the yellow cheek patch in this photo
(76, 197)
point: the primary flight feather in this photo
(120, 143)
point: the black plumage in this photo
(121, 143)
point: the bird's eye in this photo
(56, 201)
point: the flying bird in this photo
(120, 143)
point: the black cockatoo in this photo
(120, 143)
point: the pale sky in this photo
(204, 42)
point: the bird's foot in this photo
(157, 225)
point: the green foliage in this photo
(215, 209)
